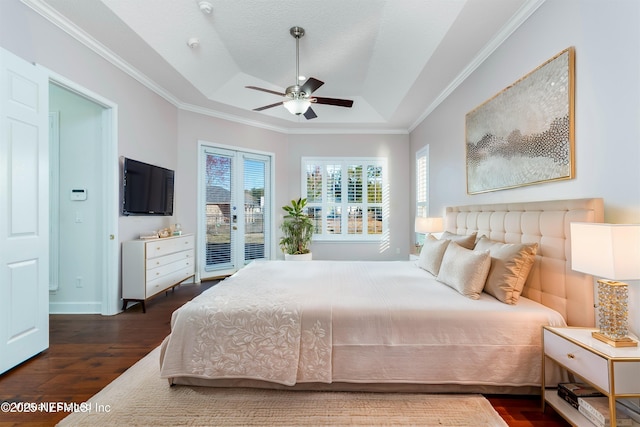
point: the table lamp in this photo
(611, 252)
(427, 225)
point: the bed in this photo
(396, 325)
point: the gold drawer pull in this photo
(571, 356)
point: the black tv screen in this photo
(148, 189)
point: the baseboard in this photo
(89, 307)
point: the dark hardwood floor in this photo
(87, 352)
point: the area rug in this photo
(139, 397)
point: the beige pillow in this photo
(510, 267)
(464, 270)
(466, 241)
(431, 254)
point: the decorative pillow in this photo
(510, 267)
(464, 270)
(466, 241)
(431, 254)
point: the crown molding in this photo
(518, 19)
(74, 31)
(77, 33)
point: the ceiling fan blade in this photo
(334, 101)
(265, 90)
(310, 114)
(311, 85)
(268, 106)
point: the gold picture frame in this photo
(525, 134)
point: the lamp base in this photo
(615, 342)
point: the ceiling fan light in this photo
(297, 106)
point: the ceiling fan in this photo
(298, 98)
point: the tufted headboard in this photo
(551, 281)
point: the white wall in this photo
(606, 36)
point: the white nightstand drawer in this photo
(577, 359)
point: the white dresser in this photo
(152, 266)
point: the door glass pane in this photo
(218, 200)
(255, 173)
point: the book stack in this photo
(571, 392)
(595, 405)
(596, 410)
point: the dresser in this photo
(613, 371)
(153, 266)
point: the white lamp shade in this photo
(610, 251)
(297, 106)
(426, 225)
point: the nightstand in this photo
(613, 371)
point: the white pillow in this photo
(464, 270)
(431, 254)
(510, 267)
(465, 240)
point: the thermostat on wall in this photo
(78, 194)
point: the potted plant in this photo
(297, 230)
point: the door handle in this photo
(234, 227)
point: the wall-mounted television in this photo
(147, 189)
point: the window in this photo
(422, 186)
(422, 182)
(345, 197)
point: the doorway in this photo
(83, 201)
(235, 209)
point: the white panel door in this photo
(24, 210)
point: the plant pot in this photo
(298, 257)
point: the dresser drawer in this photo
(163, 247)
(162, 283)
(167, 259)
(168, 269)
(577, 359)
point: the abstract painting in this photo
(524, 135)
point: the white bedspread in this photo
(359, 322)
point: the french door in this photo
(234, 211)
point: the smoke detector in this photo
(205, 7)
